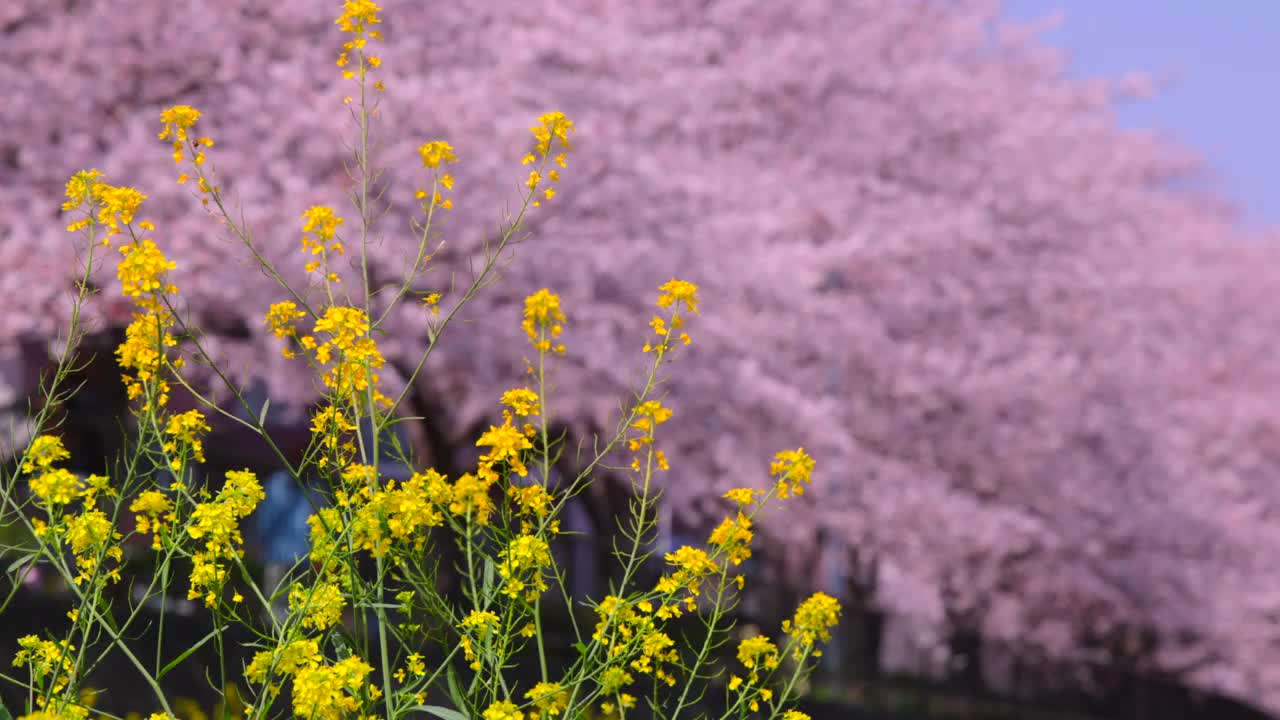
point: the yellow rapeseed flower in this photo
(319, 605)
(793, 470)
(43, 452)
(813, 621)
(543, 320)
(503, 710)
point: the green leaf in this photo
(580, 647)
(443, 713)
(488, 575)
(178, 660)
(455, 691)
(4, 713)
(343, 643)
(25, 559)
(262, 414)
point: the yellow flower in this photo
(288, 660)
(184, 428)
(504, 710)
(46, 658)
(56, 487)
(795, 715)
(543, 320)
(178, 121)
(505, 442)
(550, 698)
(432, 300)
(142, 352)
(477, 624)
(522, 400)
(81, 189)
(531, 499)
(521, 565)
(217, 524)
(471, 495)
(90, 535)
(436, 152)
(153, 510)
(357, 16)
(43, 452)
(320, 605)
(330, 692)
(813, 621)
(480, 621)
(756, 654)
(677, 292)
(692, 567)
(143, 269)
(281, 316)
(793, 469)
(551, 127)
(742, 496)
(116, 205)
(734, 536)
(322, 222)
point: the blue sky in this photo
(1222, 58)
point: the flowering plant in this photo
(365, 604)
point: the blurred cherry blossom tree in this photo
(1033, 363)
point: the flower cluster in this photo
(793, 470)
(756, 654)
(502, 710)
(550, 698)
(635, 642)
(143, 268)
(357, 16)
(733, 537)
(184, 430)
(80, 195)
(505, 442)
(319, 605)
(648, 416)
(50, 663)
(320, 691)
(92, 538)
(321, 239)
(672, 295)
(477, 627)
(117, 206)
(90, 532)
(54, 486)
(153, 514)
(434, 154)
(522, 565)
(142, 356)
(142, 272)
(692, 566)
(217, 525)
(345, 345)
(393, 514)
(813, 621)
(543, 320)
(552, 128)
(179, 122)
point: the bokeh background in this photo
(1012, 283)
